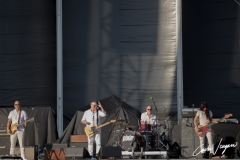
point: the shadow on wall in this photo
(122, 48)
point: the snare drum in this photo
(145, 128)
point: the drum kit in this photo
(145, 137)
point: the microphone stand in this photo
(95, 131)
(193, 128)
(37, 130)
(156, 110)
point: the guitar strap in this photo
(19, 116)
(97, 117)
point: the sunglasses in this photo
(149, 109)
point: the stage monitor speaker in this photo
(4, 145)
(110, 152)
(76, 153)
(30, 152)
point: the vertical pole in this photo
(59, 67)
(179, 58)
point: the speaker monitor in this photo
(76, 153)
(109, 151)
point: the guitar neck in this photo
(102, 125)
(25, 121)
(214, 123)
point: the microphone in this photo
(154, 103)
(193, 105)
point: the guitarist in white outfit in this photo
(90, 118)
(17, 116)
(204, 115)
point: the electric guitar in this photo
(202, 129)
(90, 130)
(14, 126)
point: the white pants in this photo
(210, 142)
(13, 139)
(97, 139)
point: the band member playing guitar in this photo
(91, 117)
(204, 115)
(17, 116)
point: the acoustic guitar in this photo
(14, 126)
(91, 130)
(202, 129)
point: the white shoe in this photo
(24, 158)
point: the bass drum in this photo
(130, 139)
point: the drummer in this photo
(148, 117)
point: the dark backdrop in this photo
(27, 53)
(125, 48)
(211, 55)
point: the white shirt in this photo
(89, 115)
(147, 119)
(202, 116)
(14, 116)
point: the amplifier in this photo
(78, 138)
(189, 112)
(78, 144)
(3, 131)
(4, 145)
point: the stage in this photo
(180, 144)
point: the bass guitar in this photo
(91, 130)
(202, 129)
(14, 126)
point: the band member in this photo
(148, 117)
(92, 117)
(17, 116)
(148, 121)
(204, 115)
